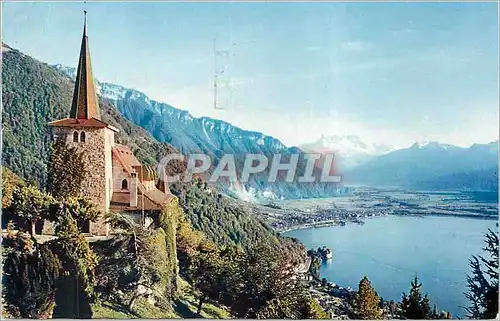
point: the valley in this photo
(364, 203)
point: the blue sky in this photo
(390, 73)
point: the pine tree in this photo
(29, 280)
(366, 302)
(66, 171)
(483, 282)
(415, 306)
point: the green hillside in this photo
(35, 94)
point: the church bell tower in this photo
(91, 136)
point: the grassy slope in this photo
(184, 307)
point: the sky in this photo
(391, 73)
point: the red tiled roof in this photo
(125, 157)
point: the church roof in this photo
(125, 157)
(154, 199)
(85, 104)
(85, 111)
(75, 122)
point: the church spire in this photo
(85, 104)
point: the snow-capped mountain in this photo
(350, 150)
(178, 127)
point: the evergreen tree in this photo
(415, 306)
(366, 302)
(29, 278)
(80, 209)
(78, 262)
(259, 283)
(483, 281)
(435, 312)
(66, 170)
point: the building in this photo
(116, 180)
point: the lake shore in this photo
(301, 214)
(334, 223)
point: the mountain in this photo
(431, 166)
(212, 137)
(178, 127)
(350, 150)
(34, 94)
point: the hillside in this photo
(35, 94)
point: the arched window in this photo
(82, 137)
(75, 137)
(124, 184)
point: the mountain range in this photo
(431, 166)
(211, 137)
(35, 93)
(423, 165)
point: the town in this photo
(366, 203)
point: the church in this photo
(116, 180)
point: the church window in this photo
(75, 137)
(82, 137)
(124, 184)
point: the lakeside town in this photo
(368, 203)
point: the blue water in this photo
(389, 250)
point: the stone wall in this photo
(97, 157)
(119, 174)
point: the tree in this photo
(31, 205)
(483, 281)
(415, 306)
(78, 263)
(267, 287)
(139, 261)
(30, 274)
(392, 307)
(80, 209)
(212, 272)
(366, 302)
(10, 182)
(66, 170)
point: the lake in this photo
(389, 250)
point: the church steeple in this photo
(85, 104)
